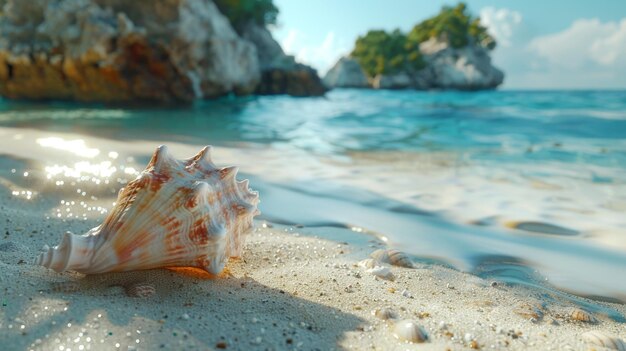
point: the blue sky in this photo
(543, 44)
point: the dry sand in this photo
(295, 288)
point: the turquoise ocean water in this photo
(522, 186)
(359, 120)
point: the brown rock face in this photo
(280, 73)
(297, 81)
(139, 71)
(119, 51)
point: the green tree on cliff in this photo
(381, 52)
(239, 12)
(454, 25)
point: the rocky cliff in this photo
(466, 68)
(280, 73)
(446, 67)
(120, 51)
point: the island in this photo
(447, 51)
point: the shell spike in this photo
(205, 154)
(203, 157)
(160, 158)
(229, 172)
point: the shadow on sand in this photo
(185, 312)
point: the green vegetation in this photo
(385, 53)
(381, 52)
(239, 12)
(455, 25)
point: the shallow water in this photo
(524, 187)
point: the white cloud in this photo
(586, 43)
(612, 48)
(501, 23)
(508, 28)
(321, 55)
(587, 54)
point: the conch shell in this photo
(185, 213)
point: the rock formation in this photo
(466, 68)
(346, 73)
(122, 51)
(115, 50)
(300, 80)
(280, 73)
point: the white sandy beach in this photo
(296, 287)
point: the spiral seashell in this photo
(384, 313)
(141, 290)
(599, 338)
(579, 315)
(409, 331)
(185, 213)
(393, 257)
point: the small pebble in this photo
(381, 272)
(580, 315)
(384, 313)
(409, 331)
